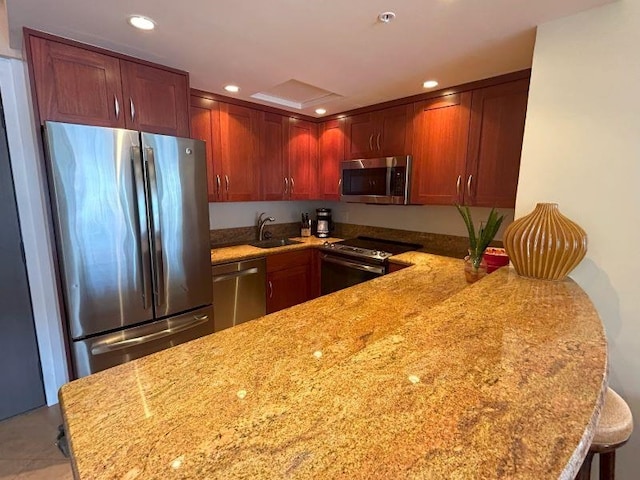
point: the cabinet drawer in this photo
(282, 261)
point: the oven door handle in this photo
(357, 266)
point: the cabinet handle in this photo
(469, 185)
(371, 142)
(133, 109)
(226, 181)
(218, 186)
(458, 182)
(340, 187)
(270, 289)
(378, 141)
(286, 186)
(116, 107)
(293, 185)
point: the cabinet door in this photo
(303, 159)
(495, 144)
(393, 136)
(76, 85)
(239, 143)
(360, 132)
(440, 149)
(274, 170)
(331, 153)
(289, 279)
(205, 125)
(156, 100)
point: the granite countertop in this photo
(245, 252)
(411, 375)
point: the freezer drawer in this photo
(99, 353)
(239, 292)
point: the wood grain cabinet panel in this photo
(331, 153)
(274, 134)
(205, 125)
(239, 147)
(290, 279)
(82, 84)
(156, 100)
(382, 133)
(76, 85)
(495, 144)
(441, 132)
(303, 159)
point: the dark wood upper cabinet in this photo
(331, 153)
(274, 134)
(78, 83)
(383, 133)
(441, 132)
(205, 125)
(303, 159)
(495, 144)
(239, 147)
(155, 100)
(467, 146)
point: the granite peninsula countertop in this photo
(411, 375)
(246, 252)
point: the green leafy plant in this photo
(479, 242)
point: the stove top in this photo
(372, 249)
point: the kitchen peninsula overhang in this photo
(414, 374)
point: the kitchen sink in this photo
(274, 242)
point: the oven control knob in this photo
(375, 252)
(326, 244)
(384, 254)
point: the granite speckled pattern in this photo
(244, 252)
(411, 375)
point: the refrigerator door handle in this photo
(155, 225)
(110, 346)
(138, 191)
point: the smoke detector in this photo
(386, 17)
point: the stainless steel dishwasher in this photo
(239, 292)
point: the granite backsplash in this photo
(435, 243)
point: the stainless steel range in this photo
(356, 260)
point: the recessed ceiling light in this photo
(143, 23)
(321, 111)
(232, 88)
(430, 84)
(386, 17)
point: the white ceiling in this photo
(335, 45)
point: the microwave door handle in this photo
(388, 182)
(157, 230)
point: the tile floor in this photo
(27, 447)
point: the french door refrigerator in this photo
(131, 220)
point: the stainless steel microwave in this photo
(376, 180)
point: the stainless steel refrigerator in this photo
(132, 232)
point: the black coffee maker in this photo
(324, 224)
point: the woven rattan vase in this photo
(545, 244)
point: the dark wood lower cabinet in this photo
(291, 279)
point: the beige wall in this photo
(5, 50)
(582, 150)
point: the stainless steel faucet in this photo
(261, 223)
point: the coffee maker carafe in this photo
(324, 225)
